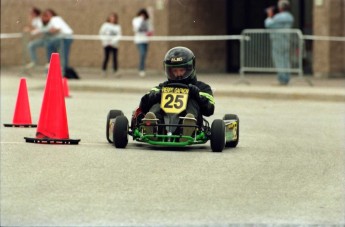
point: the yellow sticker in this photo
(174, 99)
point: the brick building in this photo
(181, 17)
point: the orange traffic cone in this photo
(65, 87)
(52, 124)
(22, 114)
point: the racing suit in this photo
(200, 102)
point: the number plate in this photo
(174, 99)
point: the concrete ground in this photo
(252, 85)
(287, 169)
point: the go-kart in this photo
(222, 133)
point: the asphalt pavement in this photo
(288, 168)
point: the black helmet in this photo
(179, 65)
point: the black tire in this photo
(233, 117)
(217, 135)
(120, 133)
(111, 114)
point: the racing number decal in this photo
(174, 100)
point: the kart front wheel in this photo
(120, 133)
(111, 115)
(217, 135)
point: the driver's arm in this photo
(206, 101)
(150, 98)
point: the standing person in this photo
(36, 23)
(110, 32)
(280, 42)
(60, 39)
(142, 28)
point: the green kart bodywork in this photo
(170, 140)
(222, 133)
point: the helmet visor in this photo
(178, 72)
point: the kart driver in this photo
(179, 67)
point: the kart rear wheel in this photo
(217, 135)
(120, 133)
(233, 117)
(111, 115)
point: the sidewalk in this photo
(260, 85)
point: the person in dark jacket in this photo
(179, 67)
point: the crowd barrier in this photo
(271, 50)
(261, 50)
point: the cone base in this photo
(52, 141)
(21, 125)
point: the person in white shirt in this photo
(35, 20)
(142, 28)
(60, 37)
(36, 24)
(110, 33)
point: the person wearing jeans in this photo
(280, 41)
(62, 45)
(37, 23)
(32, 47)
(60, 37)
(142, 47)
(142, 28)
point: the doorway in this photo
(250, 14)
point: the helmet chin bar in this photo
(186, 80)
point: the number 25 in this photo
(178, 102)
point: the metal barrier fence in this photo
(271, 50)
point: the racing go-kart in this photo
(222, 133)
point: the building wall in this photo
(193, 17)
(329, 20)
(170, 17)
(199, 17)
(85, 17)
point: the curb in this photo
(248, 93)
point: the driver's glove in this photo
(194, 92)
